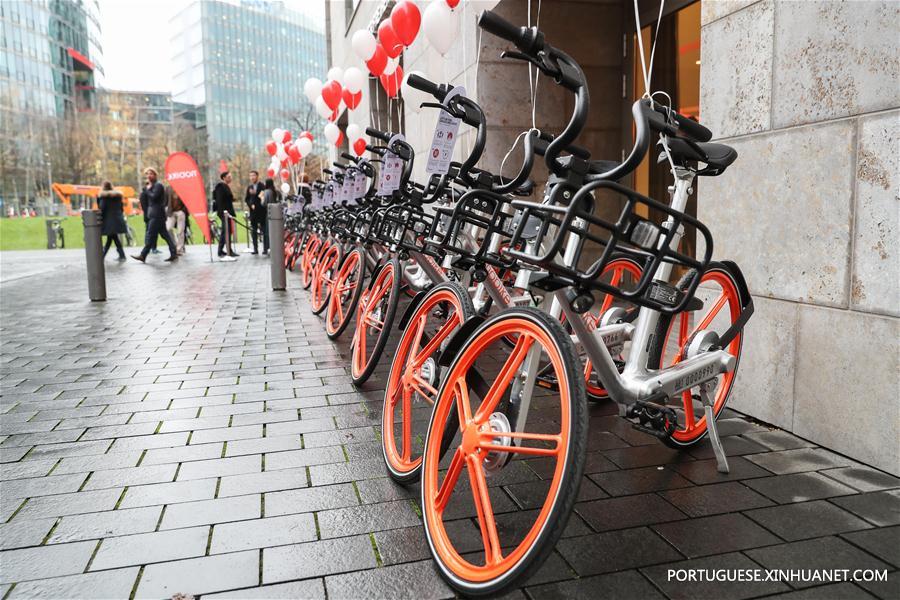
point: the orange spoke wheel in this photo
(308, 260)
(721, 307)
(415, 376)
(479, 420)
(374, 319)
(345, 294)
(623, 273)
(323, 276)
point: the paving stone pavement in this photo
(199, 434)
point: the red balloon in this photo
(294, 155)
(391, 83)
(405, 20)
(285, 162)
(359, 146)
(285, 174)
(452, 3)
(271, 148)
(378, 62)
(287, 137)
(352, 100)
(334, 115)
(270, 172)
(331, 94)
(306, 134)
(389, 40)
(340, 139)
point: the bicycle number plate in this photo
(391, 170)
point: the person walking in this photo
(270, 196)
(156, 217)
(145, 211)
(112, 215)
(223, 204)
(253, 199)
(176, 219)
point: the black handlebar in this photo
(528, 40)
(381, 135)
(420, 83)
(693, 128)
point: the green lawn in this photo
(31, 233)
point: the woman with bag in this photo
(112, 217)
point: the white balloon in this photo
(391, 66)
(280, 154)
(354, 80)
(413, 98)
(354, 132)
(363, 44)
(285, 187)
(277, 134)
(441, 25)
(312, 88)
(337, 74)
(332, 133)
(304, 145)
(322, 108)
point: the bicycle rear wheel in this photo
(721, 307)
(308, 260)
(345, 294)
(324, 275)
(374, 319)
(415, 374)
(483, 442)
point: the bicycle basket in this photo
(404, 226)
(631, 235)
(466, 229)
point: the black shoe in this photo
(255, 252)
(139, 258)
(221, 254)
(122, 257)
(172, 258)
(232, 255)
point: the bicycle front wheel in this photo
(374, 319)
(480, 424)
(345, 294)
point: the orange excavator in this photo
(65, 191)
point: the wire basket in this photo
(631, 235)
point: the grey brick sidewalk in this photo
(199, 434)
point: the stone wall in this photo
(807, 93)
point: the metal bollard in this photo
(93, 252)
(276, 245)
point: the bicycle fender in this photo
(746, 304)
(459, 337)
(411, 309)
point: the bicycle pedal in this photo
(548, 382)
(656, 419)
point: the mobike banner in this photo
(184, 176)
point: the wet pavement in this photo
(199, 434)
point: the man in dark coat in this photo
(253, 199)
(223, 201)
(112, 216)
(155, 196)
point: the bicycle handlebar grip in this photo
(378, 134)
(693, 128)
(497, 25)
(348, 156)
(420, 83)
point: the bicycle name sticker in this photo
(445, 134)
(391, 170)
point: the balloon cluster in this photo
(342, 89)
(397, 32)
(286, 153)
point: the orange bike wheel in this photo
(324, 275)
(616, 273)
(415, 373)
(308, 259)
(345, 293)
(476, 442)
(721, 307)
(375, 316)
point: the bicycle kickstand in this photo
(721, 460)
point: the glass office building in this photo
(50, 58)
(244, 63)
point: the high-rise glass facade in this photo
(50, 56)
(245, 63)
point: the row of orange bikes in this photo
(513, 313)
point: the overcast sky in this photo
(134, 36)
